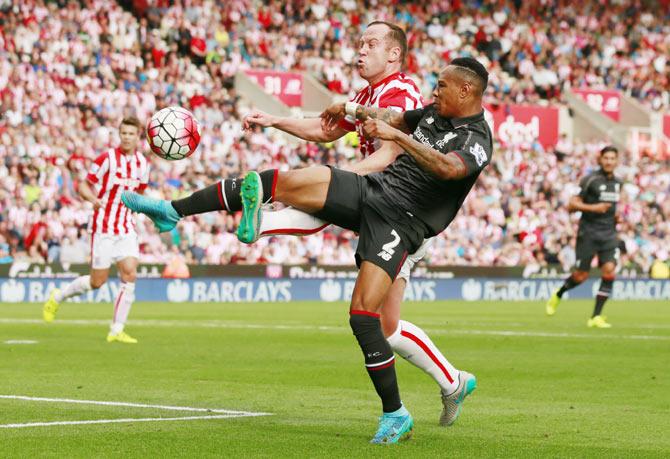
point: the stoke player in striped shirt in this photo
(381, 56)
(112, 227)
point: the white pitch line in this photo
(20, 341)
(114, 421)
(132, 405)
(244, 326)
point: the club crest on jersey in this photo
(445, 140)
(430, 120)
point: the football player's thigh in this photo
(585, 250)
(346, 194)
(305, 189)
(127, 256)
(609, 254)
(381, 244)
(102, 257)
(102, 251)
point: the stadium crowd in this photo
(70, 70)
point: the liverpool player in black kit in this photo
(441, 150)
(597, 199)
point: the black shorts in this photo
(607, 251)
(384, 240)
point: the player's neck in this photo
(609, 175)
(126, 152)
(470, 110)
(382, 76)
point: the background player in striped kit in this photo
(112, 227)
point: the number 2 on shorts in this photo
(388, 249)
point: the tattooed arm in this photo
(446, 167)
(336, 112)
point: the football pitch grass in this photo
(547, 387)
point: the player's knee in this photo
(608, 271)
(128, 276)
(580, 276)
(363, 324)
(389, 327)
(96, 283)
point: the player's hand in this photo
(96, 204)
(601, 207)
(258, 118)
(375, 128)
(331, 116)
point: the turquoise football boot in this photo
(394, 427)
(251, 193)
(161, 212)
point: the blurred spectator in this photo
(68, 70)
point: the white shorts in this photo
(107, 249)
(414, 258)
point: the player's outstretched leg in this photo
(414, 345)
(597, 320)
(122, 304)
(50, 308)
(453, 403)
(571, 282)
(160, 211)
(251, 193)
(81, 284)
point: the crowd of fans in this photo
(534, 49)
(70, 70)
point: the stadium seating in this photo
(68, 74)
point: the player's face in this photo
(609, 161)
(447, 93)
(452, 92)
(130, 137)
(374, 53)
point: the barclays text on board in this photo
(207, 290)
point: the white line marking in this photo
(113, 421)
(20, 341)
(134, 405)
(435, 331)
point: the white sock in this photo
(290, 221)
(78, 286)
(124, 300)
(412, 344)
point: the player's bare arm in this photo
(445, 167)
(309, 129)
(336, 112)
(576, 204)
(378, 161)
(87, 193)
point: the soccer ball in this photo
(173, 133)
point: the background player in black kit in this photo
(597, 199)
(393, 211)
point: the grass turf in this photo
(547, 386)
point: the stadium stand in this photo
(70, 70)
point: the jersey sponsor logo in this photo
(609, 196)
(420, 136)
(445, 140)
(478, 152)
(388, 249)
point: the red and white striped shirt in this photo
(110, 174)
(397, 92)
